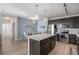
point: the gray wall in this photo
(76, 22)
(36, 27)
(72, 21)
(22, 27)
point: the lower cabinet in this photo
(45, 47)
(34, 47)
(78, 41)
(42, 47)
(72, 39)
(58, 38)
(52, 42)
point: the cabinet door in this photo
(54, 41)
(78, 41)
(72, 38)
(51, 43)
(34, 47)
(45, 48)
(58, 39)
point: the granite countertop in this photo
(40, 37)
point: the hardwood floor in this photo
(20, 47)
(62, 48)
(12, 47)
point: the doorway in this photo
(7, 33)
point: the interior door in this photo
(6, 31)
(7, 34)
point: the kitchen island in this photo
(41, 44)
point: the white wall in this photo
(16, 27)
(7, 29)
(0, 27)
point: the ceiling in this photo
(53, 10)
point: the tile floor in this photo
(62, 48)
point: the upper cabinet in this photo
(63, 25)
(72, 22)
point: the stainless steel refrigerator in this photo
(52, 29)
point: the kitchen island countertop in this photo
(40, 37)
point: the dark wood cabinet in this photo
(45, 47)
(42, 47)
(58, 37)
(52, 42)
(77, 40)
(72, 39)
(34, 47)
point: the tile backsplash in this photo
(71, 30)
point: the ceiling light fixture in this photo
(36, 17)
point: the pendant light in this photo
(35, 17)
